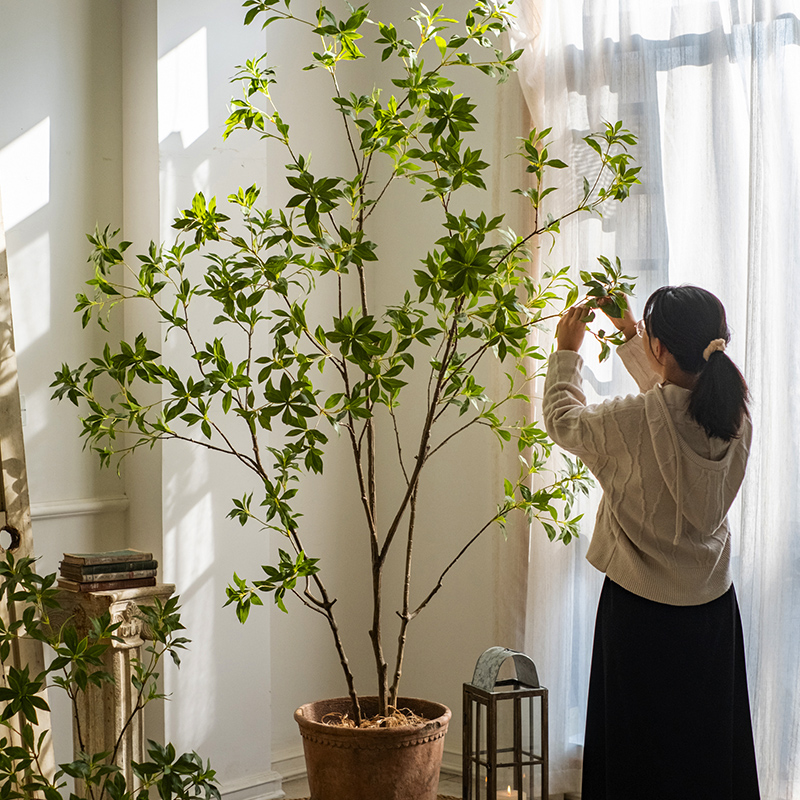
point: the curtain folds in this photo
(709, 88)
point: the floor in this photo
(448, 785)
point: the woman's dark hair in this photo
(686, 319)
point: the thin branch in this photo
(380, 196)
(447, 569)
(255, 463)
(315, 600)
(246, 460)
(456, 433)
(433, 369)
(74, 700)
(425, 436)
(242, 407)
(345, 664)
(363, 184)
(404, 617)
(399, 445)
(537, 231)
(307, 604)
(340, 365)
(346, 126)
(481, 351)
(327, 604)
(363, 487)
(35, 752)
(356, 446)
(286, 15)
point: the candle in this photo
(511, 794)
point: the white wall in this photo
(82, 87)
(220, 698)
(60, 172)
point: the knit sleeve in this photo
(634, 358)
(570, 422)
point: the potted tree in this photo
(271, 367)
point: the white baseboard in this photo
(289, 762)
(266, 786)
(452, 763)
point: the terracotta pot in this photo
(366, 763)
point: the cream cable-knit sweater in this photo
(661, 529)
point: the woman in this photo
(668, 715)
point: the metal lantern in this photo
(505, 730)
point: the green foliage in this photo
(77, 663)
(607, 288)
(279, 580)
(470, 299)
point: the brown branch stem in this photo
(399, 445)
(454, 434)
(346, 126)
(404, 618)
(426, 432)
(327, 606)
(447, 569)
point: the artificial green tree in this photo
(470, 301)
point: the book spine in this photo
(108, 576)
(105, 586)
(116, 556)
(93, 569)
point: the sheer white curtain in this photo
(712, 90)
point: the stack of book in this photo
(101, 572)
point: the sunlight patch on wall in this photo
(201, 178)
(25, 174)
(29, 274)
(37, 409)
(190, 716)
(188, 562)
(183, 90)
(168, 187)
(189, 538)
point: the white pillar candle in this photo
(511, 794)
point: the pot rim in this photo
(302, 719)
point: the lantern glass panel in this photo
(509, 723)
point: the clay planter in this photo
(381, 763)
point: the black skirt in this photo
(668, 715)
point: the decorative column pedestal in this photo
(104, 712)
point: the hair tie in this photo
(714, 345)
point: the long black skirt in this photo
(668, 715)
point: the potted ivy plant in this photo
(470, 301)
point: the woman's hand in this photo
(571, 329)
(626, 323)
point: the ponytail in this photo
(689, 322)
(719, 398)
